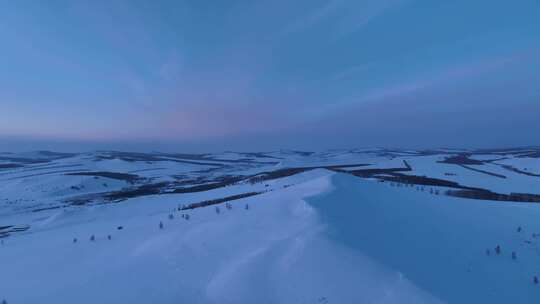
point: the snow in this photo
(438, 242)
(275, 252)
(528, 164)
(514, 182)
(313, 237)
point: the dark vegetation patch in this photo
(207, 184)
(47, 208)
(149, 189)
(190, 181)
(219, 200)
(22, 160)
(259, 178)
(47, 157)
(56, 155)
(535, 154)
(260, 155)
(483, 194)
(393, 152)
(8, 230)
(494, 160)
(48, 167)
(219, 182)
(461, 159)
(10, 166)
(147, 170)
(44, 167)
(514, 169)
(483, 171)
(511, 151)
(394, 175)
(195, 162)
(195, 159)
(423, 180)
(458, 189)
(303, 153)
(375, 172)
(285, 172)
(128, 156)
(157, 157)
(44, 173)
(131, 178)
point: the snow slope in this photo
(439, 242)
(274, 252)
(310, 236)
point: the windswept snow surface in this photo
(439, 243)
(274, 252)
(342, 226)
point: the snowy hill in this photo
(347, 226)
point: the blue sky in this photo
(257, 75)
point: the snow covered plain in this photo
(355, 226)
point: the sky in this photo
(265, 75)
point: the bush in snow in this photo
(92, 238)
(74, 240)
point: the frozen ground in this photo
(355, 226)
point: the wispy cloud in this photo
(315, 16)
(352, 71)
(344, 17)
(361, 14)
(438, 80)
